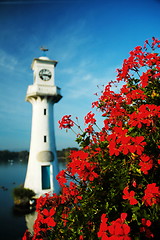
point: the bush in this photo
(110, 188)
(22, 195)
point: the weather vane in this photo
(44, 49)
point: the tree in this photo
(110, 187)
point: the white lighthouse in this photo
(43, 94)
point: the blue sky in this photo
(89, 38)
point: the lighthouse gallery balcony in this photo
(43, 90)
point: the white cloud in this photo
(7, 61)
(83, 83)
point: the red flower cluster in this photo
(139, 58)
(117, 230)
(129, 195)
(145, 115)
(121, 142)
(152, 195)
(71, 193)
(120, 162)
(145, 228)
(45, 217)
(132, 94)
(89, 118)
(80, 166)
(146, 163)
(48, 214)
(66, 122)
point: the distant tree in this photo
(65, 152)
(23, 155)
(6, 155)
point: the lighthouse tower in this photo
(43, 94)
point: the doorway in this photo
(46, 184)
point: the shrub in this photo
(22, 195)
(110, 187)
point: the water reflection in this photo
(13, 223)
(30, 219)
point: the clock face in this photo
(45, 74)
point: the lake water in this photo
(12, 225)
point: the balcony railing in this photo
(42, 90)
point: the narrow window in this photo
(45, 111)
(45, 138)
(46, 177)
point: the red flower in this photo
(138, 144)
(146, 164)
(113, 150)
(89, 118)
(49, 221)
(144, 115)
(118, 141)
(65, 216)
(145, 78)
(81, 166)
(134, 184)
(27, 235)
(117, 229)
(146, 223)
(49, 213)
(103, 227)
(130, 196)
(132, 95)
(152, 195)
(81, 237)
(89, 129)
(66, 122)
(61, 178)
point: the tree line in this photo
(6, 155)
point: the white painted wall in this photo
(42, 125)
